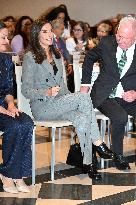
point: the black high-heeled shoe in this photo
(94, 157)
(105, 152)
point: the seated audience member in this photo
(60, 13)
(114, 91)
(59, 43)
(67, 22)
(10, 22)
(17, 127)
(10, 19)
(89, 30)
(20, 40)
(11, 29)
(43, 84)
(79, 41)
(104, 28)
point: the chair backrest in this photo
(22, 102)
(64, 71)
(77, 67)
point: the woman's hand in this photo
(90, 44)
(79, 46)
(5, 112)
(53, 91)
(69, 69)
(13, 111)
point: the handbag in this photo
(75, 157)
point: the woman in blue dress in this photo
(17, 127)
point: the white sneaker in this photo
(10, 189)
(21, 186)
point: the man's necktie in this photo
(58, 42)
(121, 65)
(122, 62)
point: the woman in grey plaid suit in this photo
(43, 84)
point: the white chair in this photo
(23, 104)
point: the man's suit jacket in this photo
(62, 47)
(109, 76)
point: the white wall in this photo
(91, 11)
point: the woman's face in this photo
(26, 25)
(4, 42)
(61, 16)
(46, 36)
(78, 32)
(102, 30)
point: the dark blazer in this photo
(109, 76)
(6, 77)
(63, 49)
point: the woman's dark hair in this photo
(2, 25)
(9, 18)
(34, 45)
(85, 32)
(52, 15)
(18, 29)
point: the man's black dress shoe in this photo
(92, 171)
(105, 152)
(121, 163)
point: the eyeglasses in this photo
(77, 30)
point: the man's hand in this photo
(84, 89)
(69, 69)
(129, 96)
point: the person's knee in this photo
(122, 118)
(25, 120)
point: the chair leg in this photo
(53, 153)
(103, 130)
(127, 127)
(33, 156)
(59, 133)
(109, 140)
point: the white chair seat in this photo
(53, 123)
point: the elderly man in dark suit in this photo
(114, 91)
(59, 43)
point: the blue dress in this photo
(17, 137)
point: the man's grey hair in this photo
(129, 21)
(56, 23)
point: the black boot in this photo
(94, 157)
(105, 152)
(92, 171)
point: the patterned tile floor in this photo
(70, 186)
